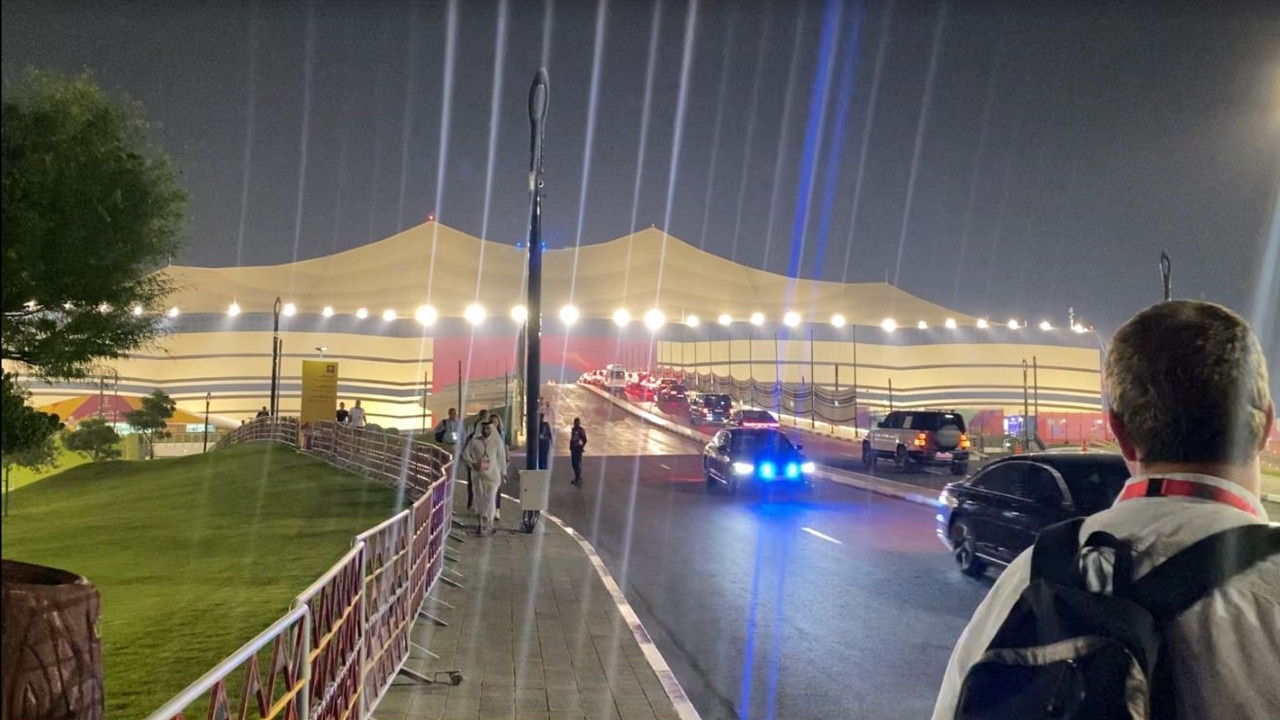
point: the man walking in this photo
(448, 431)
(544, 443)
(577, 443)
(481, 418)
(342, 415)
(483, 457)
(1190, 409)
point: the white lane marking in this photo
(821, 536)
(664, 467)
(684, 707)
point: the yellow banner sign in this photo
(319, 391)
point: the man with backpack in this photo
(1166, 605)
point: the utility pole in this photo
(1026, 409)
(539, 98)
(207, 397)
(275, 358)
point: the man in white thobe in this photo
(485, 456)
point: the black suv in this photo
(996, 514)
(709, 408)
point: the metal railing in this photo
(333, 655)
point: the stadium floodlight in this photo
(621, 317)
(838, 320)
(889, 324)
(474, 314)
(951, 323)
(519, 313)
(234, 310)
(692, 321)
(290, 310)
(569, 315)
(425, 314)
(791, 319)
(362, 313)
(726, 319)
(654, 319)
(757, 319)
(327, 311)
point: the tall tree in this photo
(94, 436)
(22, 427)
(152, 419)
(90, 212)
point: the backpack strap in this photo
(1179, 582)
(1053, 557)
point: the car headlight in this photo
(807, 467)
(742, 468)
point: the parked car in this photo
(709, 408)
(991, 517)
(761, 456)
(747, 418)
(918, 437)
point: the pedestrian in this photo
(495, 419)
(264, 412)
(448, 431)
(356, 418)
(1190, 409)
(544, 442)
(481, 418)
(483, 457)
(342, 415)
(577, 443)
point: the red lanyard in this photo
(1172, 487)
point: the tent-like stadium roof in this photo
(433, 264)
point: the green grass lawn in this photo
(193, 556)
(20, 476)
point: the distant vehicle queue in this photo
(701, 408)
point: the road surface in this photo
(840, 604)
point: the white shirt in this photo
(1225, 648)
(357, 416)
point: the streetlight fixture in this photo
(1013, 325)
(1046, 326)
(290, 310)
(327, 311)
(519, 314)
(474, 314)
(234, 310)
(362, 313)
(757, 319)
(173, 312)
(621, 317)
(983, 324)
(388, 315)
(137, 310)
(425, 314)
(922, 325)
(654, 319)
(889, 324)
(692, 321)
(838, 321)
(725, 319)
(791, 319)
(951, 323)
(569, 315)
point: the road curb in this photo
(1271, 497)
(888, 488)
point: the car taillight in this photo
(920, 440)
(964, 441)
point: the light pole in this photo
(275, 357)
(207, 397)
(539, 98)
(1026, 409)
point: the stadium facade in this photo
(404, 316)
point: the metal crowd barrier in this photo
(345, 638)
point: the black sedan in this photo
(761, 456)
(992, 516)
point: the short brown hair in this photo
(1187, 380)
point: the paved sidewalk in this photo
(536, 636)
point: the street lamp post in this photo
(1026, 409)
(207, 397)
(275, 357)
(539, 97)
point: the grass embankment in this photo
(67, 459)
(192, 556)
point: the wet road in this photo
(840, 604)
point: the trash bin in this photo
(52, 657)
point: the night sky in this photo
(1005, 159)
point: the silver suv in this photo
(918, 437)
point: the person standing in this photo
(263, 413)
(577, 444)
(544, 442)
(1190, 408)
(448, 431)
(342, 415)
(357, 418)
(483, 457)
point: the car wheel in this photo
(900, 460)
(959, 468)
(965, 550)
(868, 457)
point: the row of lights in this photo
(653, 319)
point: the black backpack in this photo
(1065, 653)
